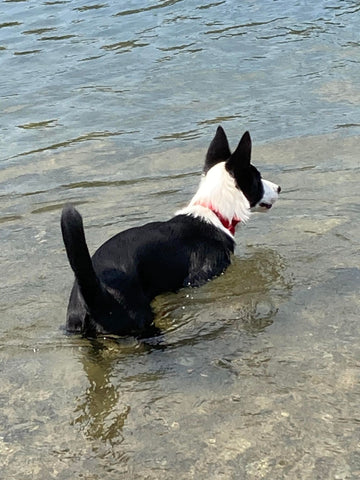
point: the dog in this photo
(113, 290)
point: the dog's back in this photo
(113, 289)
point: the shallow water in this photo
(256, 375)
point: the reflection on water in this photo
(98, 410)
(185, 319)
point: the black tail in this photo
(78, 254)
(106, 313)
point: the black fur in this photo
(113, 289)
(246, 175)
(238, 164)
(219, 150)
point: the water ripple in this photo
(71, 141)
(10, 24)
(86, 8)
(126, 46)
(162, 4)
(186, 135)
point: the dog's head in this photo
(261, 194)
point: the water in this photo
(112, 107)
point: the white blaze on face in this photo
(271, 194)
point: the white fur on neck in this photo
(218, 192)
(198, 211)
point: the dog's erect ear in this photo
(242, 155)
(218, 151)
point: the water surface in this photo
(110, 107)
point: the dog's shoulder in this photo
(197, 230)
(207, 248)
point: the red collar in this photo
(229, 225)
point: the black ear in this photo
(218, 151)
(242, 155)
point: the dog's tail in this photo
(106, 313)
(78, 254)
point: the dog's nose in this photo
(279, 189)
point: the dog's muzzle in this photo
(271, 194)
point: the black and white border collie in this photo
(113, 290)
